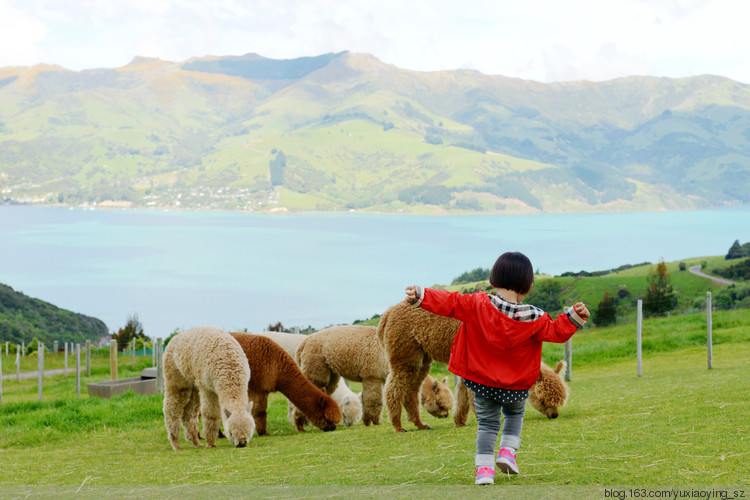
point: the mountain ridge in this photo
(360, 134)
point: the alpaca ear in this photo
(227, 413)
(345, 400)
(435, 387)
(560, 366)
(445, 380)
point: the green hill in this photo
(346, 131)
(628, 284)
(24, 318)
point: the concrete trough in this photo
(145, 384)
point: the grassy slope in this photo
(679, 424)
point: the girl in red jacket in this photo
(498, 352)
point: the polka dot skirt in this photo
(502, 396)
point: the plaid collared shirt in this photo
(516, 310)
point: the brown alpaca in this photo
(274, 370)
(353, 352)
(413, 338)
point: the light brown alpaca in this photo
(274, 370)
(206, 371)
(549, 392)
(353, 352)
(435, 397)
(413, 338)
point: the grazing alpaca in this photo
(274, 370)
(435, 397)
(350, 403)
(353, 352)
(205, 371)
(549, 392)
(413, 338)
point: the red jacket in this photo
(490, 348)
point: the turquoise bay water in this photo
(238, 270)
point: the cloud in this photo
(20, 36)
(541, 40)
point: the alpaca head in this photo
(329, 413)
(351, 409)
(239, 426)
(436, 397)
(549, 392)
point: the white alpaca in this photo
(206, 370)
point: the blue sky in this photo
(541, 40)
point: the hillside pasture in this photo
(679, 424)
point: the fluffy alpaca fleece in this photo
(351, 352)
(354, 353)
(350, 403)
(412, 338)
(549, 392)
(289, 341)
(206, 371)
(435, 396)
(275, 370)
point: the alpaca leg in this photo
(464, 402)
(211, 412)
(175, 400)
(299, 419)
(372, 400)
(411, 402)
(260, 404)
(396, 386)
(190, 415)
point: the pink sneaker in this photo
(506, 461)
(485, 475)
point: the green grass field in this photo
(679, 424)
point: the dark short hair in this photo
(513, 271)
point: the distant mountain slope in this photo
(346, 131)
(23, 318)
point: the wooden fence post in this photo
(159, 367)
(132, 354)
(18, 362)
(78, 370)
(569, 360)
(709, 329)
(88, 358)
(65, 371)
(40, 357)
(113, 359)
(639, 337)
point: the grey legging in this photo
(489, 424)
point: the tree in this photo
(606, 312)
(545, 295)
(133, 330)
(278, 327)
(659, 295)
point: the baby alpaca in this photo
(274, 370)
(349, 402)
(206, 371)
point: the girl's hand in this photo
(411, 294)
(581, 309)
